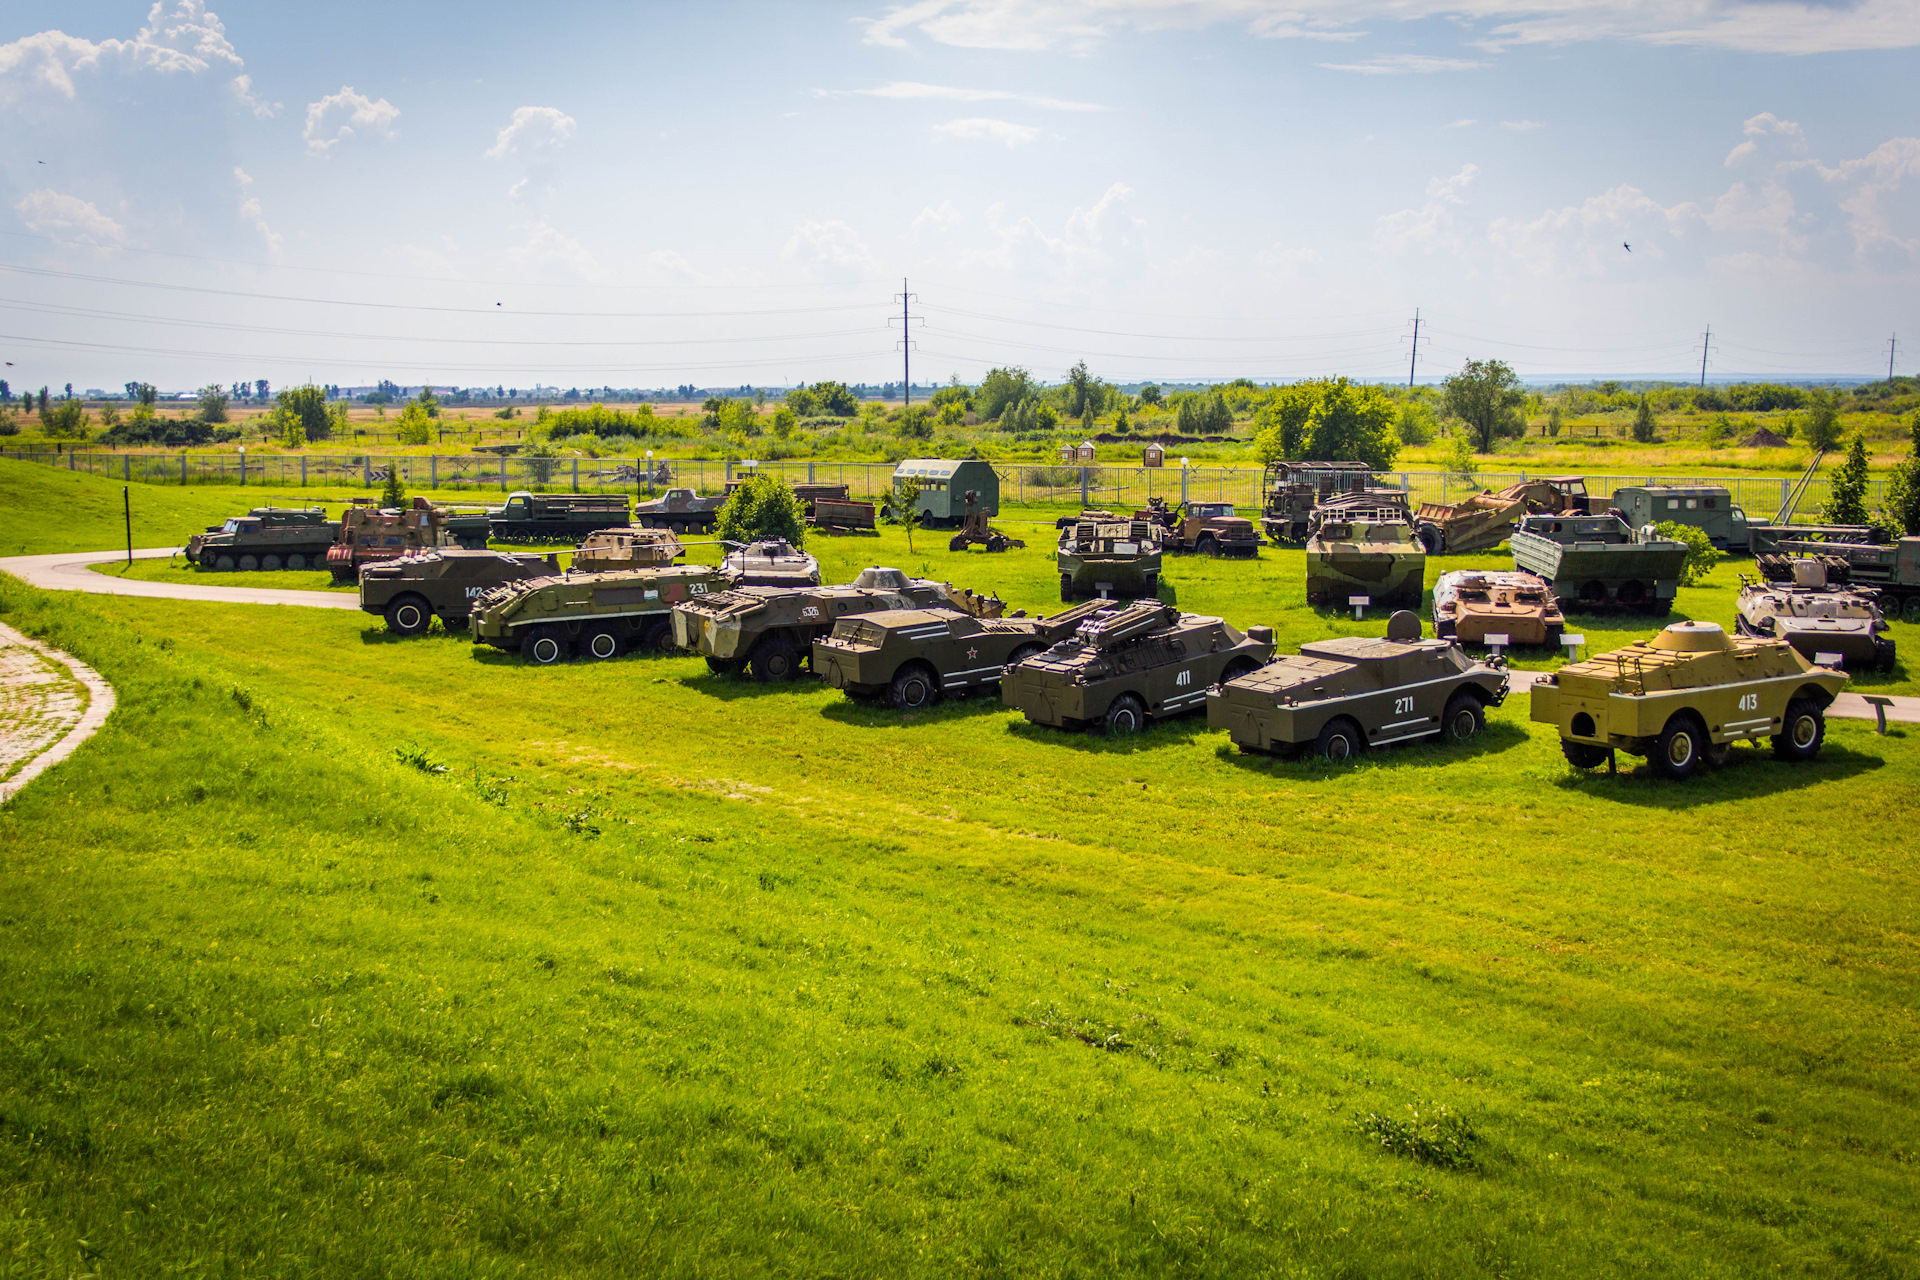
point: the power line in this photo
(1413, 356)
(1706, 345)
(905, 344)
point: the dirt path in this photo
(68, 571)
(50, 703)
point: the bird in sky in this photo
(1626, 246)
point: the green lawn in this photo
(669, 974)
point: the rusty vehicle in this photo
(1126, 668)
(976, 532)
(1117, 559)
(1097, 514)
(842, 515)
(444, 582)
(1471, 604)
(633, 547)
(1814, 615)
(265, 538)
(769, 631)
(1484, 520)
(681, 510)
(556, 517)
(1347, 694)
(1685, 697)
(1293, 489)
(596, 615)
(915, 657)
(1600, 562)
(1204, 528)
(369, 534)
(771, 562)
(1359, 549)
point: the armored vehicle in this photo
(446, 581)
(556, 517)
(1483, 521)
(770, 630)
(1686, 695)
(1815, 617)
(915, 656)
(1601, 561)
(1294, 489)
(597, 615)
(1127, 667)
(681, 510)
(369, 534)
(266, 538)
(1471, 604)
(1208, 528)
(1707, 507)
(1343, 695)
(630, 548)
(1117, 558)
(1892, 567)
(1367, 552)
(771, 562)
(1098, 514)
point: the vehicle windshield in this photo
(1210, 510)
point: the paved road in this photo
(41, 718)
(68, 571)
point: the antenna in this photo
(906, 319)
(1706, 345)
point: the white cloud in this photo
(984, 129)
(1394, 64)
(1521, 126)
(830, 249)
(52, 213)
(911, 89)
(185, 39)
(1459, 124)
(1094, 238)
(533, 132)
(937, 220)
(547, 251)
(262, 109)
(362, 115)
(1431, 225)
(1767, 131)
(1287, 261)
(251, 212)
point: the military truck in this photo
(1815, 616)
(769, 631)
(1685, 696)
(556, 517)
(369, 534)
(1347, 694)
(1109, 558)
(265, 538)
(444, 582)
(1294, 489)
(1360, 550)
(771, 562)
(1126, 668)
(1483, 521)
(596, 615)
(1600, 562)
(917, 656)
(1706, 507)
(1206, 528)
(633, 547)
(1890, 566)
(681, 510)
(1471, 604)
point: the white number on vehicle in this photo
(1185, 677)
(1401, 706)
(811, 611)
(1749, 702)
(696, 588)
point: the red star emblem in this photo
(972, 654)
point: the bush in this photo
(1441, 1138)
(1821, 430)
(761, 507)
(1847, 496)
(65, 418)
(1415, 426)
(1646, 429)
(1701, 556)
(213, 403)
(1902, 506)
(414, 426)
(307, 406)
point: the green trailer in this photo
(944, 485)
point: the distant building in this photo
(1154, 455)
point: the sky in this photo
(733, 193)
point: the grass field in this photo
(668, 974)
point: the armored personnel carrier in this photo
(1344, 695)
(553, 517)
(916, 656)
(630, 548)
(1359, 549)
(444, 582)
(1890, 566)
(1601, 561)
(1685, 696)
(369, 534)
(597, 615)
(1206, 528)
(1125, 668)
(266, 538)
(771, 562)
(1471, 604)
(681, 510)
(1294, 489)
(770, 631)
(1816, 617)
(1116, 559)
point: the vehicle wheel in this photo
(774, 659)
(1804, 729)
(914, 688)
(1657, 608)
(1430, 539)
(249, 563)
(1582, 755)
(1126, 714)
(1911, 609)
(600, 643)
(1883, 654)
(658, 637)
(547, 645)
(1340, 740)
(270, 563)
(1676, 752)
(1237, 668)
(223, 564)
(958, 542)
(723, 666)
(296, 562)
(456, 622)
(1066, 588)
(1207, 546)
(1024, 652)
(1464, 718)
(1552, 638)
(408, 616)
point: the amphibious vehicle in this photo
(1471, 604)
(634, 547)
(1363, 551)
(1598, 562)
(266, 538)
(1816, 617)
(1109, 558)
(597, 615)
(681, 510)
(771, 562)
(444, 582)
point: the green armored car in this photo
(1344, 695)
(1600, 561)
(266, 538)
(445, 582)
(1685, 696)
(917, 656)
(597, 615)
(1111, 558)
(1125, 668)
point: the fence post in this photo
(303, 471)
(1083, 488)
(433, 469)
(126, 465)
(503, 473)
(183, 470)
(809, 470)
(576, 475)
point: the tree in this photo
(1415, 426)
(1701, 555)
(1902, 506)
(6, 392)
(784, 423)
(1084, 392)
(260, 389)
(761, 507)
(392, 493)
(64, 419)
(1485, 395)
(1327, 420)
(916, 423)
(413, 425)
(1646, 429)
(834, 399)
(1847, 494)
(213, 403)
(541, 457)
(307, 407)
(1001, 390)
(1150, 394)
(1822, 428)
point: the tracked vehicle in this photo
(1358, 548)
(681, 510)
(1471, 604)
(370, 534)
(633, 547)
(444, 582)
(556, 517)
(771, 562)
(1115, 559)
(1294, 489)
(266, 538)
(594, 615)
(1686, 696)
(1484, 520)
(1600, 562)
(1129, 667)
(1815, 616)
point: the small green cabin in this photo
(944, 484)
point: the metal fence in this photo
(1020, 483)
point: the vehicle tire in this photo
(1237, 668)
(1553, 637)
(658, 637)
(1340, 740)
(774, 659)
(1911, 609)
(1677, 751)
(1582, 755)
(1024, 652)
(915, 687)
(1883, 654)
(1464, 719)
(1207, 545)
(270, 563)
(296, 562)
(249, 563)
(408, 616)
(723, 666)
(600, 643)
(1066, 588)
(456, 621)
(1430, 539)
(1657, 608)
(958, 542)
(1125, 714)
(1801, 732)
(547, 645)
(223, 564)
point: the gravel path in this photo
(68, 571)
(50, 703)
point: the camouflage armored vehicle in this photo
(630, 548)
(771, 562)
(1358, 550)
(1600, 561)
(1815, 616)
(596, 615)
(1130, 666)
(1344, 695)
(445, 582)
(1116, 559)
(1685, 696)
(1471, 604)
(916, 656)
(555, 517)
(1294, 489)
(369, 534)
(1207, 528)
(770, 630)
(266, 538)
(681, 510)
